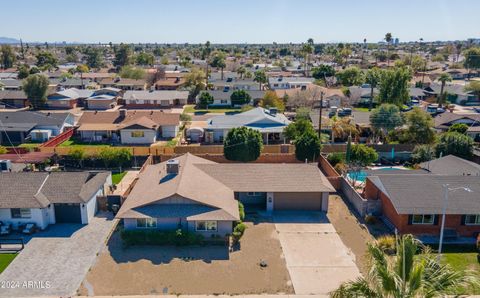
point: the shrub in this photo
(238, 231)
(335, 158)
(341, 168)
(241, 211)
(155, 237)
(370, 219)
(387, 244)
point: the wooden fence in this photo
(57, 140)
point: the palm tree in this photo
(388, 39)
(342, 127)
(307, 49)
(364, 48)
(405, 274)
(458, 47)
(444, 78)
(241, 71)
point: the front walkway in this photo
(317, 259)
(125, 183)
(54, 262)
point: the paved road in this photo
(317, 259)
(55, 262)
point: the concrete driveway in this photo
(317, 259)
(54, 262)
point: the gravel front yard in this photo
(192, 270)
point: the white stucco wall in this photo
(149, 137)
(38, 216)
(169, 131)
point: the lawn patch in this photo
(117, 177)
(5, 260)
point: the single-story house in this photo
(268, 122)
(67, 83)
(103, 99)
(11, 84)
(68, 98)
(456, 93)
(154, 99)
(124, 84)
(222, 98)
(201, 196)
(413, 204)
(47, 198)
(170, 83)
(443, 121)
(13, 99)
(17, 126)
(451, 165)
(128, 127)
(289, 82)
(235, 84)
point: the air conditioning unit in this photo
(5, 165)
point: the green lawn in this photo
(5, 260)
(29, 145)
(461, 257)
(191, 109)
(361, 109)
(117, 177)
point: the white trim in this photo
(423, 219)
(152, 220)
(477, 220)
(206, 223)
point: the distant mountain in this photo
(4, 40)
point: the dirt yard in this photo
(354, 234)
(192, 270)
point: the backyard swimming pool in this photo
(361, 176)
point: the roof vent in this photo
(173, 166)
(123, 112)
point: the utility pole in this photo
(320, 118)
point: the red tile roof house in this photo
(128, 126)
(47, 198)
(414, 203)
(201, 196)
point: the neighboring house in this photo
(13, 99)
(200, 196)
(123, 84)
(413, 204)
(170, 83)
(289, 82)
(362, 94)
(47, 198)
(416, 93)
(67, 83)
(103, 99)
(451, 165)
(11, 84)
(128, 127)
(455, 94)
(154, 99)
(67, 99)
(268, 122)
(19, 125)
(443, 121)
(222, 98)
(236, 84)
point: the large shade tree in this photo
(394, 86)
(454, 143)
(420, 127)
(386, 118)
(243, 144)
(35, 87)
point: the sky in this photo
(241, 21)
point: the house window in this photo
(472, 219)
(21, 213)
(146, 223)
(147, 102)
(253, 194)
(138, 134)
(223, 101)
(423, 219)
(206, 226)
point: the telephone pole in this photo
(320, 118)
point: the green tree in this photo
(388, 39)
(243, 144)
(372, 77)
(295, 129)
(35, 87)
(195, 81)
(423, 153)
(94, 57)
(261, 78)
(23, 71)
(420, 127)
(7, 56)
(455, 143)
(301, 112)
(473, 86)
(129, 72)
(363, 155)
(3, 150)
(112, 157)
(307, 146)
(81, 69)
(205, 100)
(386, 118)
(323, 71)
(78, 155)
(46, 60)
(240, 97)
(270, 99)
(406, 274)
(458, 127)
(123, 55)
(145, 59)
(351, 76)
(241, 71)
(218, 61)
(472, 59)
(444, 78)
(394, 86)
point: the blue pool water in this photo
(361, 176)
